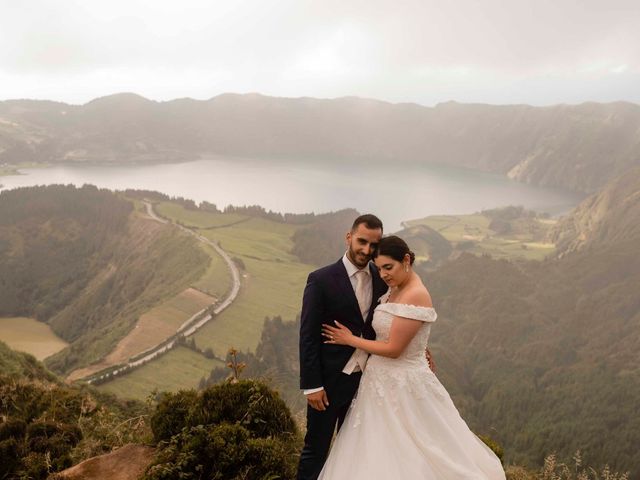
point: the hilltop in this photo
(578, 147)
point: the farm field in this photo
(268, 289)
(152, 328)
(196, 218)
(272, 284)
(31, 336)
(181, 368)
(472, 233)
(273, 278)
(216, 280)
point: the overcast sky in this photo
(538, 52)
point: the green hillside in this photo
(546, 354)
(81, 260)
(22, 365)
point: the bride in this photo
(402, 423)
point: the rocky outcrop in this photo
(608, 217)
(126, 463)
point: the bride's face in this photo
(391, 271)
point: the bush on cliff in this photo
(227, 431)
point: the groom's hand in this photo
(318, 400)
(432, 363)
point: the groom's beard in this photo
(360, 260)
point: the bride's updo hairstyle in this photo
(394, 247)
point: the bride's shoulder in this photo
(413, 304)
(417, 296)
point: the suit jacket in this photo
(329, 296)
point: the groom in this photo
(346, 291)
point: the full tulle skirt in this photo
(403, 425)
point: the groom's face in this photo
(361, 244)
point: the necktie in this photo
(361, 286)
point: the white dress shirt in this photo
(359, 357)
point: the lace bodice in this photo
(383, 317)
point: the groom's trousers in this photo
(321, 425)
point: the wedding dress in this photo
(402, 424)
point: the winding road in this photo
(192, 325)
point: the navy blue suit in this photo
(329, 296)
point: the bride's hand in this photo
(339, 335)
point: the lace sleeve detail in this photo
(424, 314)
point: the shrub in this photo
(252, 404)
(228, 431)
(9, 456)
(221, 452)
(171, 414)
(12, 429)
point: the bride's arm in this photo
(401, 333)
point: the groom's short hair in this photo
(370, 221)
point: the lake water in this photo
(395, 193)
(31, 336)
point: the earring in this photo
(406, 267)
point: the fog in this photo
(535, 52)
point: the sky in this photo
(538, 52)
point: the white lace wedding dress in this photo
(402, 424)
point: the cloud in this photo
(415, 50)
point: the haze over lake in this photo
(396, 193)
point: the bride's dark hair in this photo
(394, 247)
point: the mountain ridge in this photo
(577, 147)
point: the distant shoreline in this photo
(287, 186)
